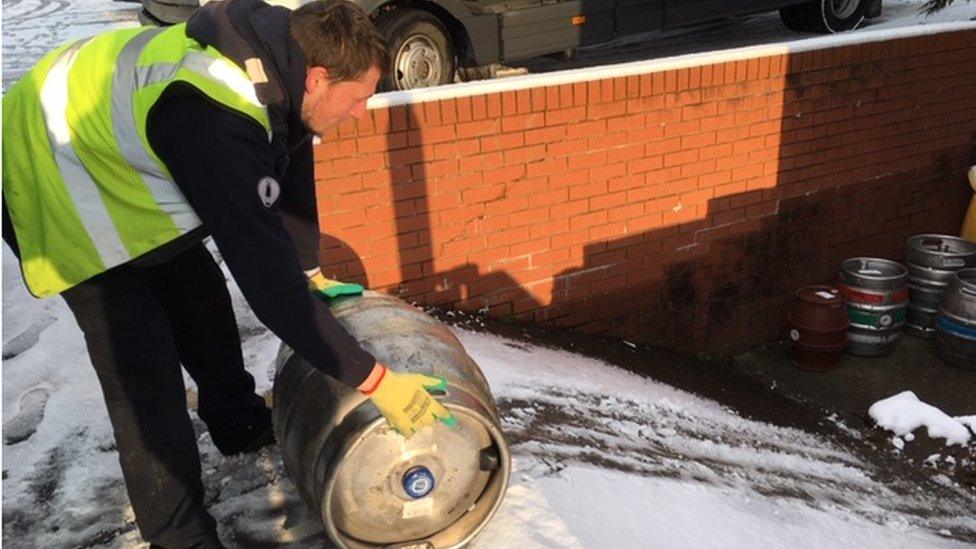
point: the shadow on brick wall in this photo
(853, 167)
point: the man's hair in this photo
(338, 36)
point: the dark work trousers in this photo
(140, 324)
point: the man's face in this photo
(327, 103)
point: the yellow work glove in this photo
(405, 402)
(327, 288)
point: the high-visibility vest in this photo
(84, 189)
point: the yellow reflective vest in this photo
(84, 189)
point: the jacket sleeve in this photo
(219, 158)
(298, 205)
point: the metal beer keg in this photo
(877, 296)
(932, 260)
(371, 486)
(955, 327)
(818, 328)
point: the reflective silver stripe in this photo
(222, 71)
(79, 184)
(230, 75)
(209, 67)
(126, 80)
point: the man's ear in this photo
(315, 77)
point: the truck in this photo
(431, 41)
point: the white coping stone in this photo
(572, 76)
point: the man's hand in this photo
(404, 399)
(326, 288)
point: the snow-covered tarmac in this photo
(602, 458)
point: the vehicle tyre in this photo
(146, 19)
(825, 16)
(171, 11)
(421, 50)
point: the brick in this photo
(522, 122)
(547, 135)
(525, 155)
(547, 168)
(587, 160)
(628, 211)
(482, 194)
(478, 128)
(610, 171)
(568, 209)
(679, 129)
(570, 115)
(590, 189)
(679, 158)
(508, 237)
(606, 201)
(584, 221)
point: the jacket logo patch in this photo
(269, 190)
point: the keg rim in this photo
(966, 276)
(847, 268)
(803, 293)
(916, 239)
(962, 249)
(498, 481)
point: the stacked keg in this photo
(877, 297)
(932, 261)
(955, 325)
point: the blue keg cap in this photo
(418, 482)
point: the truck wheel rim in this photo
(844, 8)
(418, 63)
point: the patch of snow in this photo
(564, 510)
(904, 412)
(833, 418)
(968, 421)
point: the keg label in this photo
(419, 508)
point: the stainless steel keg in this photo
(371, 486)
(955, 326)
(877, 296)
(932, 260)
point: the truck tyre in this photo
(170, 11)
(825, 16)
(147, 20)
(421, 51)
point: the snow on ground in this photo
(904, 413)
(602, 458)
(31, 28)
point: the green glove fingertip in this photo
(450, 420)
(435, 383)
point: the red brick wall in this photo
(678, 207)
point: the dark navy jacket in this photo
(219, 158)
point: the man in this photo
(121, 152)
